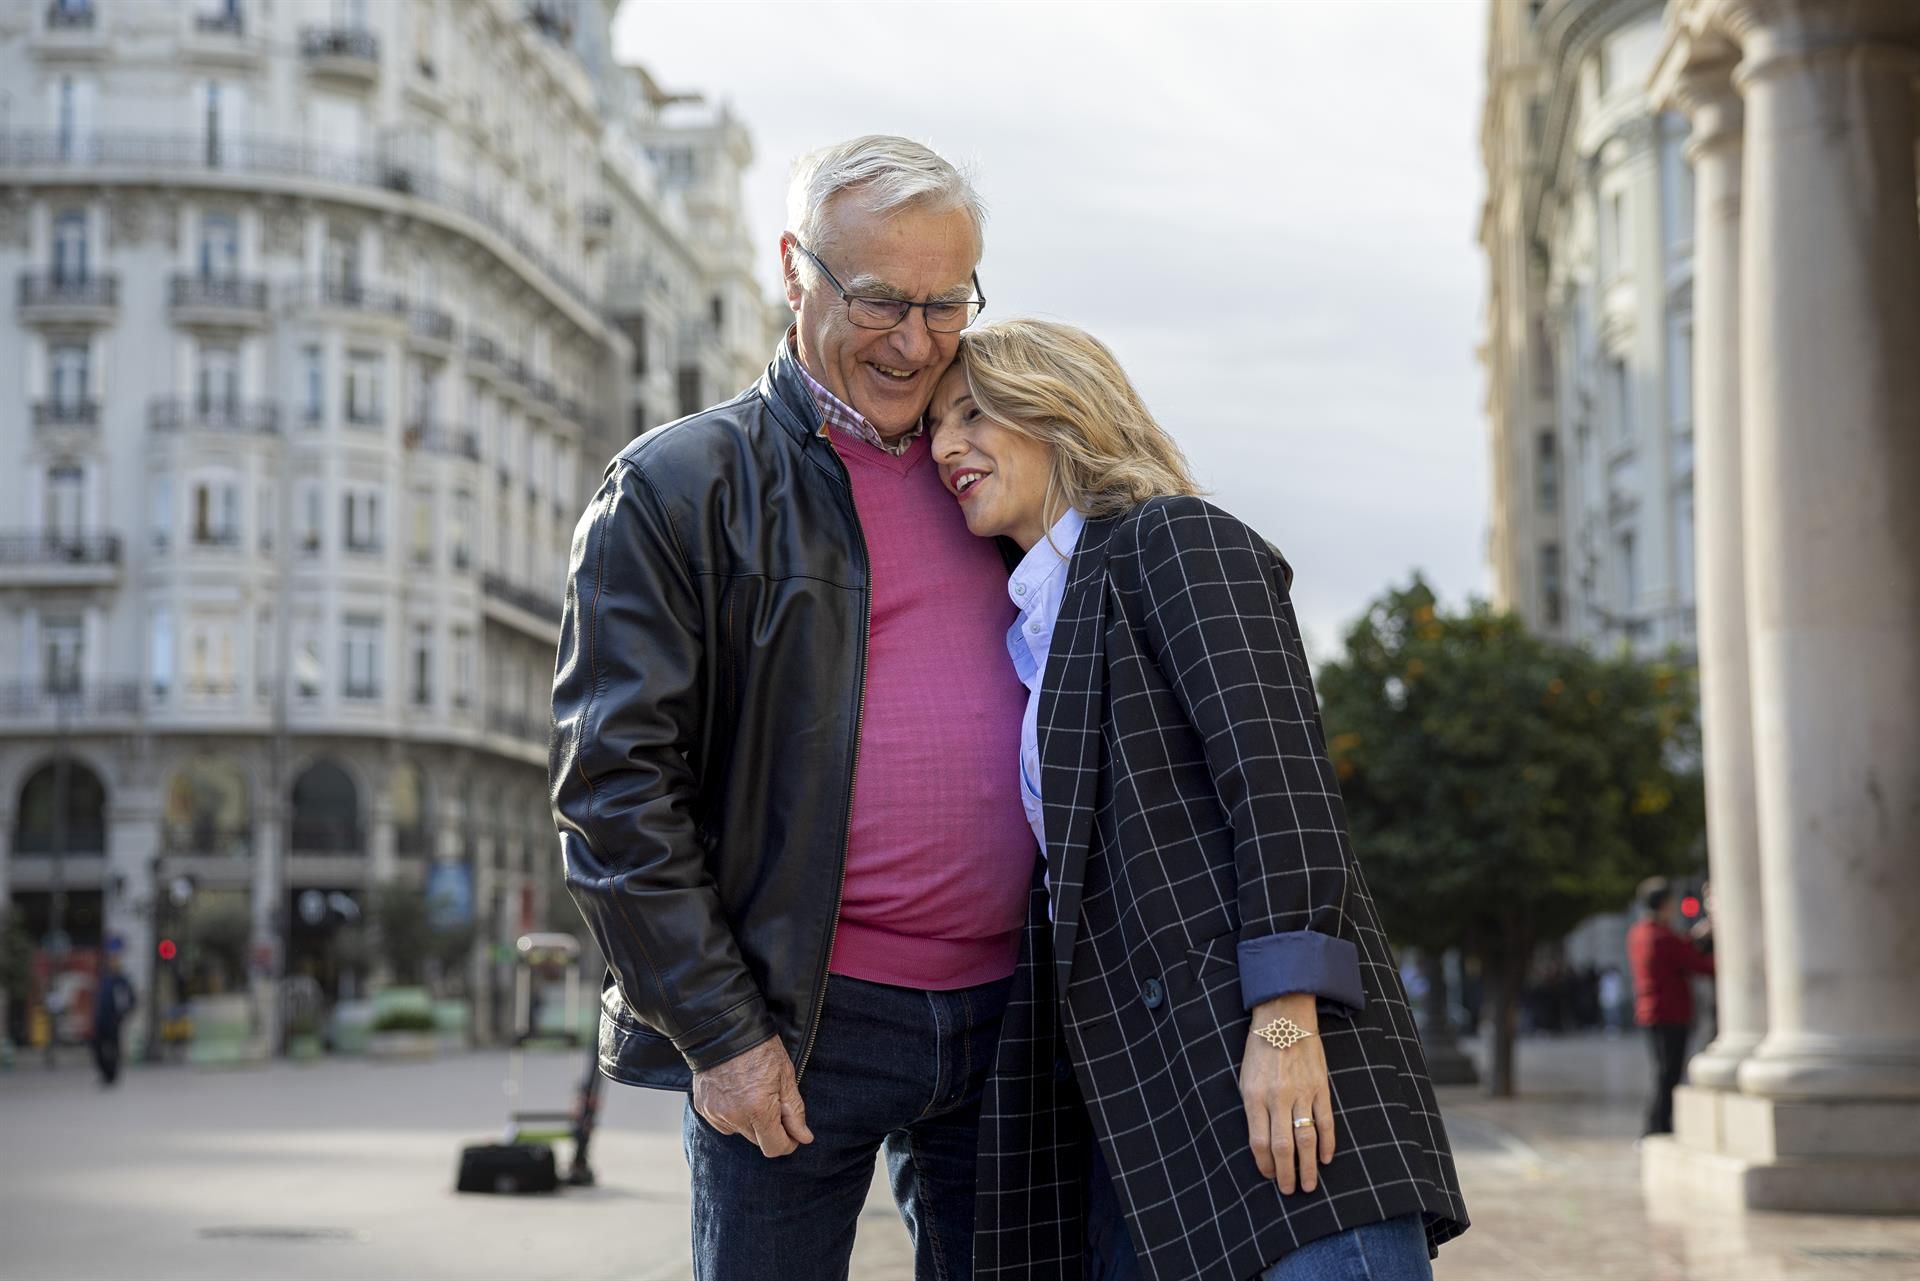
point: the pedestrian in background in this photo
(1664, 963)
(112, 1001)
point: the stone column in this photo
(1831, 293)
(383, 843)
(1705, 91)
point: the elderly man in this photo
(783, 721)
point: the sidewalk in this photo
(343, 1171)
(1552, 1180)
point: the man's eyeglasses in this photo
(942, 316)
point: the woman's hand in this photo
(1278, 1086)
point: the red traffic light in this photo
(1690, 906)
(167, 949)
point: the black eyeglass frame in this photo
(978, 302)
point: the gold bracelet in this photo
(1282, 1033)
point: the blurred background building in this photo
(326, 316)
(1777, 312)
(1587, 231)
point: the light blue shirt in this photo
(1037, 587)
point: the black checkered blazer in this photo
(1189, 804)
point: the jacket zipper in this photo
(853, 765)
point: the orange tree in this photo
(1501, 787)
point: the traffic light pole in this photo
(159, 909)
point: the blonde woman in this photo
(1208, 1068)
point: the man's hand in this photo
(1279, 1085)
(757, 1095)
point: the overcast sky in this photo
(1267, 210)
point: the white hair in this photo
(890, 173)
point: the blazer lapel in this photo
(1072, 701)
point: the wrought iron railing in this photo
(539, 604)
(186, 413)
(50, 547)
(64, 289)
(340, 42)
(30, 700)
(283, 157)
(237, 293)
(66, 413)
(433, 323)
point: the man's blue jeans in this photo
(1395, 1250)
(892, 1067)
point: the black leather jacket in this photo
(706, 709)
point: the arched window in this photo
(326, 810)
(209, 811)
(38, 828)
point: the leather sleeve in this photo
(626, 707)
(1221, 627)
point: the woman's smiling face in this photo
(998, 475)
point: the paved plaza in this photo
(344, 1170)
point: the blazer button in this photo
(1150, 994)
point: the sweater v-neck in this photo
(859, 451)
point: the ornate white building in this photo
(326, 316)
(1587, 229)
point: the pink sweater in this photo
(940, 857)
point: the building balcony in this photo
(482, 349)
(436, 438)
(365, 301)
(229, 301)
(232, 418)
(530, 611)
(214, 538)
(516, 725)
(38, 706)
(55, 298)
(44, 558)
(227, 23)
(71, 415)
(431, 327)
(67, 15)
(137, 154)
(345, 53)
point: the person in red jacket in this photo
(1664, 962)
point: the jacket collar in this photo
(784, 387)
(1072, 709)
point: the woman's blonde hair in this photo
(1061, 386)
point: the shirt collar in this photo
(1044, 560)
(842, 417)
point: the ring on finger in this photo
(1302, 1122)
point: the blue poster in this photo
(449, 895)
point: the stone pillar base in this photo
(1732, 1151)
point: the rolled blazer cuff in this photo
(1301, 961)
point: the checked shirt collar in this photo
(844, 418)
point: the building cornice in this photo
(1568, 31)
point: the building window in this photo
(362, 633)
(70, 246)
(219, 246)
(460, 529)
(422, 510)
(309, 673)
(1550, 588)
(1680, 372)
(66, 501)
(210, 659)
(1618, 236)
(689, 388)
(313, 366)
(70, 374)
(462, 649)
(639, 418)
(1620, 398)
(312, 521)
(160, 652)
(363, 520)
(1626, 553)
(636, 328)
(62, 642)
(364, 369)
(160, 510)
(1683, 543)
(267, 515)
(263, 654)
(1546, 472)
(216, 383)
(422, 664)
(216, 513)
(716, 312)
